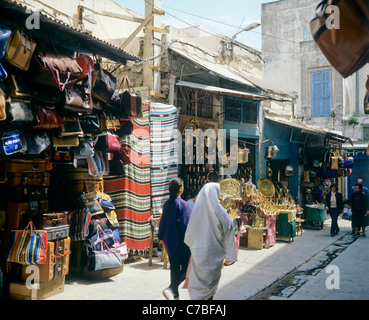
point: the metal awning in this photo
(221, 91)
(14, 15)
(310, 129)
(231, 74)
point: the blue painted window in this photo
(321, 93)
(241, 110)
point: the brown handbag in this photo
(346, 47)
(77, 100)
(46, 117)
(17, 87)
(130, 102)
(19, 50)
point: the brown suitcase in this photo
(21, 165)
(18, 214)
(29, 179)
(46, 219)
(46, 270)
(62, 257)
(80, 186)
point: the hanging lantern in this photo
(243, 155)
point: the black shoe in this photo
(363, 235)
(332, 234)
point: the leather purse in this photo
(87, 64)
(90, 123)
(130, 102)
(77, 100)
(103, 84)
(17, 87)
(46, 117)
(346, 47)
(56, 70)
(69, 141)
(19, 50)
(107, 142)
(70, 127)
(37, 142)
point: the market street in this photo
(254, 271)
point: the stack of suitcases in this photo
(26, 195)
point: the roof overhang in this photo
(220, 91)
(14, 14)
(310, 129)
(231, 74)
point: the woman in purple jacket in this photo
(172, 228)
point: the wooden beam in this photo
(135, 33)
(157, 11)
(158, 94)
(121, 16)
(157, 29)
(157, 68)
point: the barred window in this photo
(241, 110)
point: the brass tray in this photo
(230, 187)
(266, 187)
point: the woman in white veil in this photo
(211, 238)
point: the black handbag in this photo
(103, 84)
(116, 167)
(130, 102)
(90, 123)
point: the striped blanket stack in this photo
(163, 153)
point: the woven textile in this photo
(131, 194)
(163, 153)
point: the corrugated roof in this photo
(230, 74)
(222, 91)
(12, 13)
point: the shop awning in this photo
(310, 129)
(230, 74)
(221, 91)
(14, 14)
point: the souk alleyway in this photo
(297, 270)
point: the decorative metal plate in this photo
(230, 187)
(266, 187)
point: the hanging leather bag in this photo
(77, 100)
(19, 50)
(130, 103)
(103, 84)
(56, 70)
(46, 117)
(345, 46)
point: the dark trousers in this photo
(334, 216)
(178, 269)
(358, 218)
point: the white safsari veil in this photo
(211, 238)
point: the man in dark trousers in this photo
(365, 190)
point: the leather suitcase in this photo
(45, 220)
(27, 193)
(18, 214)
(46, 271)
(21, 165)
(77, 174)
(57, 233)
(80, 186)
(62, 257)
(29, 179)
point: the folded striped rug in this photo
(131, 195)
(163, 153)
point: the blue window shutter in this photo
(321, 93)
(316, 93)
